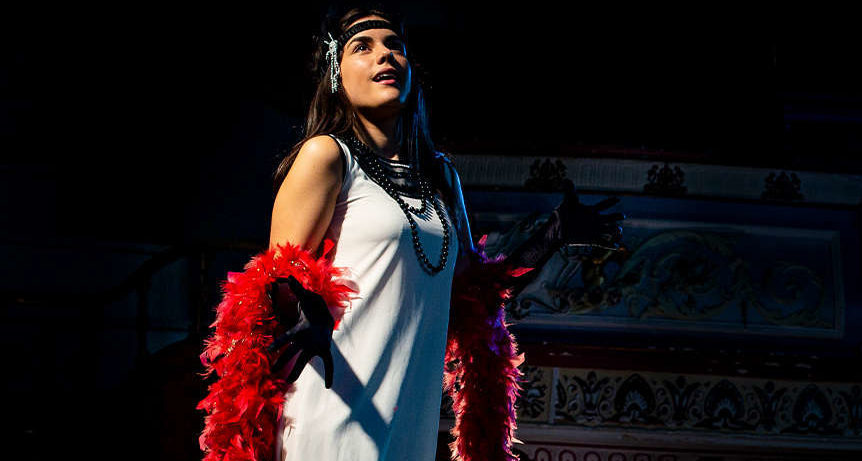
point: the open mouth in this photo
(387, 78)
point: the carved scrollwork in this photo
(782, 187)
(547, 176)
(665, 180)
(680, 275)
(532, 403)
(594, 398)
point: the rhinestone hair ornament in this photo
(333, 44)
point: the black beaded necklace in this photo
(377, 171)
(407, 182)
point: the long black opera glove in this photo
(571, 222)
(310, 329)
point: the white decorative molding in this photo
(659, 415)
(620, 175)
(544, 442)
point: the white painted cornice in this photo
(630, 176)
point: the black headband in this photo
(333, 45)
(365, 25)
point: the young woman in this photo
(368, 227)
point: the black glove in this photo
(311, 330)
(571, 222)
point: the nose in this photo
(386, 56)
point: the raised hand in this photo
(574, 222)
(311, 334)
(571, 223)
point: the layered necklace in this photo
(395, 179)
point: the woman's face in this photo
(365, 56)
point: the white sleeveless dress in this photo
(389, 348)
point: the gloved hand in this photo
(571, 222)
(310, 330)
(579, 223)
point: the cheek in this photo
(354, 85)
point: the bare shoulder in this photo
(320, 152)
(306, 198)
(321, 145)
(318, 160)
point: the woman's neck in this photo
(384, 137)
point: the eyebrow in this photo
(365, 38)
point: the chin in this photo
(391, 103)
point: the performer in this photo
(371, 268)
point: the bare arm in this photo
(306, 199)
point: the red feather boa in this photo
(481, 372)
(244, 405)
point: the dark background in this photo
(143, 112)
(154, 124)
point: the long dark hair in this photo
(331, 113)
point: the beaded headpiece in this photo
(334, 43)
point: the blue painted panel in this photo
(693, 265)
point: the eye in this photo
(396, 45)
(360, 45)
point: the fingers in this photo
(294, 284)
(310, 302)
(613, 234)
(610, 239)
(303, 359)
(606, 203)
(285, 357)
(280, 341)
(613, 217)
(327, 368)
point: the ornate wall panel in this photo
(694, 275)
(727, 329)
(568, 412)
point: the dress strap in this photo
(346, 158)
(462, 227)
